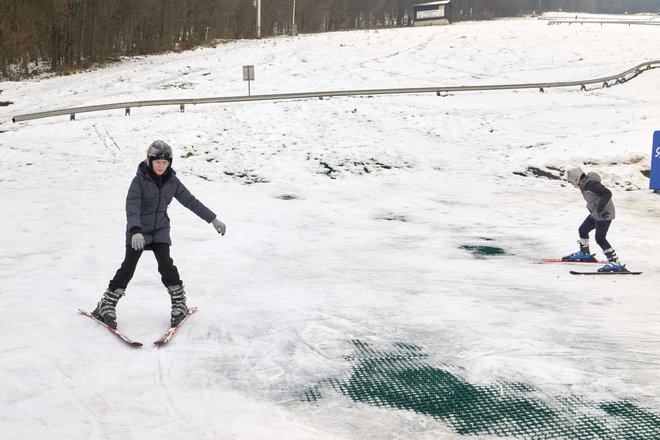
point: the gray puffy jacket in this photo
(599, 198)
(147, 201)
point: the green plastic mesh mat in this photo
(481, 251)
(401, 378)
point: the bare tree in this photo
(70, 34)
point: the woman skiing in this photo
(601, 214)
(148, 228)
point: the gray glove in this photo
(137, 242)
(219, 226)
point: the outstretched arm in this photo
(189, 201)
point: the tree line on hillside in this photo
(64, 35)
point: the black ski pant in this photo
(601, 227)
(169, 274)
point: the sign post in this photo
(248, 75)
(655, 162)
(257, 3)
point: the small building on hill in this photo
(432, 13)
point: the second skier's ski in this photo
(623, 272)
(559, 260)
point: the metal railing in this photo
(601, 22)
(596, 19)
(604, 82)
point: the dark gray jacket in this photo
(599, 198)
(146, 204)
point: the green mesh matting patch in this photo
(481, 251)
(400, 378)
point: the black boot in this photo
(105, 309)
(584, 246)
(612, 257)
(179, 308)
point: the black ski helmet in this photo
(159, 150)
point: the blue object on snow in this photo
(611, 267)
(579, 256)
(655, 162)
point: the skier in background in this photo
(601, 214)
(148, 228)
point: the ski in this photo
(624, 272)
(121, 336)
(172, 330)
(559, 260)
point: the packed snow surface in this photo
(346, 220)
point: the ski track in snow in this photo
(345, 219)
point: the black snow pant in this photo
(169, 274)
(601, 227)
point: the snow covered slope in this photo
(347, 225)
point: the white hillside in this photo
(347, 224)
